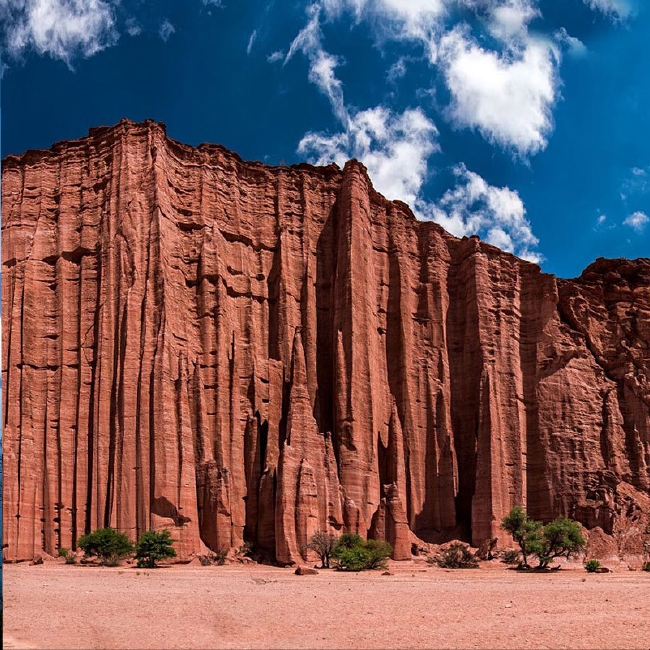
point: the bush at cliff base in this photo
(352, 553)
(106, 544)
(562, 537)
(153, 546)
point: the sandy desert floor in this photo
(244, 606)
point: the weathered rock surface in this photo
(242, 352)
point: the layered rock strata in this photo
(240, 352)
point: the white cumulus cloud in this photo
(61, 29)
(507, 96)
(637, 221)
(509, 20)
(394, 147)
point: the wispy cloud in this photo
(617, 9)
(637, 221)
(322, 64)
(133, 27)
(166, 30)
(603, 223)
(497, 214)
(636, 182)
(61, 29)
(276, 56)
(251, 41)
(574, 46)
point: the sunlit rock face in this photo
(240, 352)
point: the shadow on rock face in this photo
(163, 507)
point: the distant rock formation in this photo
(243, 352)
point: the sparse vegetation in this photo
(106, 544)
(218, 558)
(152, 547)
(562, 537)
(456, 556)
(511, 557)
(646, 566)
(352, 553)
(323, 543)
(67, 555)
(246, 550)
(591, 566)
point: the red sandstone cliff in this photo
(242, 352)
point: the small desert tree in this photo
(107, 544)
(153, 546)
(560, 538)
(323, 543)
(525, 532)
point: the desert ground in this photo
(249, 606)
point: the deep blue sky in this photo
(524, 121)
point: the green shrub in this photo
(456, 556)
(352, 559)
(106, 544)
(379, 551)
(352, 553)
(153, 546)
(592, 566)
(62, 551)
(349, 540)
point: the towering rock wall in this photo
(242, 352)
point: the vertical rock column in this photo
(357, 343)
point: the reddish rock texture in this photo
(242, 352)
